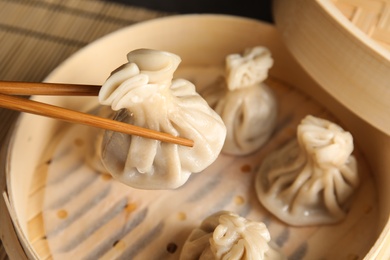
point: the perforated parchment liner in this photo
(80, 214)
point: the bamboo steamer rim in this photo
(345, 61)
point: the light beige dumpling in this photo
(311, 180)
(225, 235)
(245, 103)
(143, 94)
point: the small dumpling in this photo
(245, 103)
(312, 179)
(225, 235)
(143, 94)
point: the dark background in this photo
(260, 9)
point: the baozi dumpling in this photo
(225, 235)
(143, 94)
(245, 103)
(311, 180)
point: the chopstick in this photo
(53, 89)
(42, 109)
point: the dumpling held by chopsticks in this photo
(143, 94)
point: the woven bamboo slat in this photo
(370, 16)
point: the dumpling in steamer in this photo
(143, 94)
(225, 235)
(245, 103)
(311, 180)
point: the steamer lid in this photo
(350, 61)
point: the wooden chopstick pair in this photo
(8, 90)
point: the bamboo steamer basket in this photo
(210, 38)
(344, 46)
(351, 63)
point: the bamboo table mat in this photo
(37, 35)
